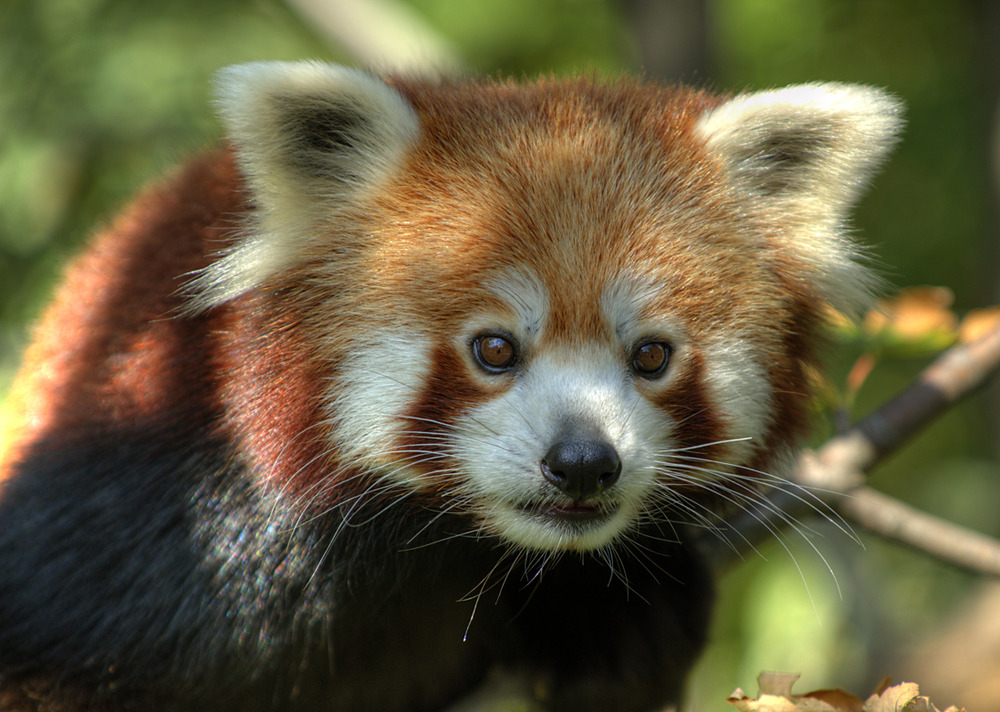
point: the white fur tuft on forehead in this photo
(310, 138)
(801, 156)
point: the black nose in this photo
(581, 468)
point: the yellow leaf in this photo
(977, 323)
(916, 319)
(914, 312)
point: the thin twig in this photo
(952, 376)
(836, 471)
(892, 519)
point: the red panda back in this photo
(110, 347)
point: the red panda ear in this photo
(310, 138)
(801, 157)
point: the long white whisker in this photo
(802, 493)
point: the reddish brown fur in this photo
(590, 186)
(108, 349)
(112, 348)
(521, 203)
(692, 410)
(525, 203)
(512, 204)
(792, 380)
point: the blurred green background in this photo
(99, 96)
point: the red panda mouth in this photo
(576, 511)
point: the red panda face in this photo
(561, 310)
(566, 449)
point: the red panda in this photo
(415, 381)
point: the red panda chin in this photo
(311, 424)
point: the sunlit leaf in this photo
(977, 323)
(916, 320)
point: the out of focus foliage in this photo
(99, 96)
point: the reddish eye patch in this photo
(494, 352)
(650, 359)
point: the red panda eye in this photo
(650, 359)
(494, 353)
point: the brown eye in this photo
(650, 359)
(494, 353)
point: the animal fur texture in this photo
(420, 380)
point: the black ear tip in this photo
(783, 160)
(322, 136)
(322, 125)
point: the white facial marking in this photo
(527, 298)
(625, 302)
(375, 390)
(740, 391)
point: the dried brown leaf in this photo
(776, 696)
(904, 697)
(838, 699)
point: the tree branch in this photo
(952, 376)
(835, 473)
(384, 34)
(892, 519)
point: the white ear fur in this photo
(310, 137)
(804, 154)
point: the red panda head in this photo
(559, 309)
